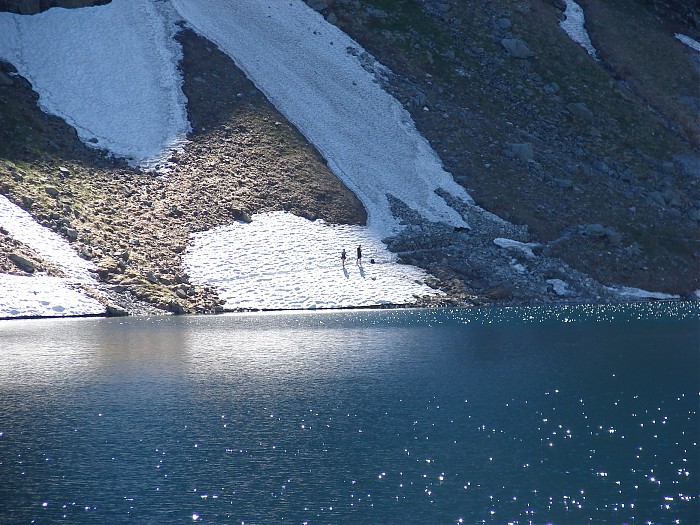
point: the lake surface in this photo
(583, 414)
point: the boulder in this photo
(522, 151)
(116, 311)
(601, 232)
(51, 191)
(22, 263)
(71, 233)
(5, 80)
(580, 110)
(516, 48)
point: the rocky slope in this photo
(593, 164)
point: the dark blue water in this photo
(542, 415)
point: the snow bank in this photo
(693, 44)
(40, 295)
(574, 26)
(281, 261)
(309, 69)
(43, 296)
(109, 71)
(45, 242)
(637, 293)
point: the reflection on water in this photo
(569, 415)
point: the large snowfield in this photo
(112, 73)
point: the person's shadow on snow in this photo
(347, 274)
(362, 272)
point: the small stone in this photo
(503, 23)
(51, 191)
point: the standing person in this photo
(343, 256)
(359, 255)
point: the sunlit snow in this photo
(41, 295)
(314, 75)
(109, 71)
(282, 261)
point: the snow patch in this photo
(109, 71)
(40, 295)
(47, 243)
(574, 26)
(281, 261)
(693, 44)
(627, 291)
(43, 296)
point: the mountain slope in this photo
(609, 186)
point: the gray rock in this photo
(71, 233)
(22, 263)
(522, 151)
(503, 23)
(601, 232)
(116, 311)
(672, 197)
(516, 48)
(551, 89)
(176, 308)
(5, 80)
(656, 197)
(580, 110)
(51, 191)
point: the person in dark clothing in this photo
(343, 256)
(359, 256)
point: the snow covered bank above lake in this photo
(42, 295)
(281, 261)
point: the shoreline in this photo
(398, 307)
